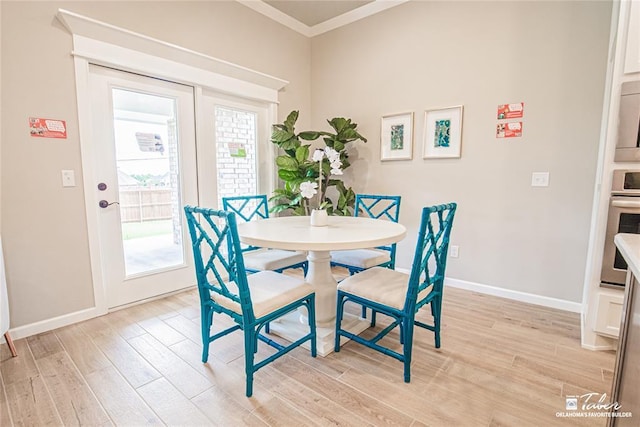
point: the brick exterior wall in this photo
(237, 176)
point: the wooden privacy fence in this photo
(145, 204)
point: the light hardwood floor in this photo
(502, 363)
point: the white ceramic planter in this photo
(319, 218)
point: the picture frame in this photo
(442, 137)
(396, 137)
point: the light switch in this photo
(68, 178)
(540, 179)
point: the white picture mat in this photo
(406, 153)
(455, 133)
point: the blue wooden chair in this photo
(252, 301)
(377, 207)
(250, 208)
(400, 296)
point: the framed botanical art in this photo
(396, 138)
(442, 133)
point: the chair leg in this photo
(339, 312)
(207, 318)
(407, 325)
(12, 348)
(249, 353)
(373, 317)
(267, 327)
(311, 315)
(436, 305)
(364, 312)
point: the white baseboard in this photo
(75, 317)
(574, 307)
(54, 323)
(599, 347)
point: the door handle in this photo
(104, 204)
(625, 203)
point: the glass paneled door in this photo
(145, 151)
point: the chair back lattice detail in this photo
(247, 207)
(376, 206)
(250, 208)
(380, 207)
(430, 259)
(210, 234)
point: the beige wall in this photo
(43, 225)
(420, 55)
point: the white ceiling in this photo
(314, 17)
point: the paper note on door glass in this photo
(237, 149)
(47, 128)
(511, 111)
(509, 130)
(150, 142)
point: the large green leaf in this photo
(302, 153)
(286, 175)
(287, 163)
(309, 135)
(339, 123)
(279, 136)
(290, 122)
(291, 144)
(280, 207)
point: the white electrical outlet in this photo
(540, 179)
(453, 251)
(68, 178)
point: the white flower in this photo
(336, 171)
(318, 155)
(332, 154)
(308, 189)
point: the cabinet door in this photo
(608, 314)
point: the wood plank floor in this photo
(502, 363)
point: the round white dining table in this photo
(341, 233)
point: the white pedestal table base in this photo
(295, 325)
(291, 328)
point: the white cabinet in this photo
(632, 57)
(609, 312)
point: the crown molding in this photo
(331, 24)
(278, 16)
(354, 15)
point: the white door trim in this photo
(106, 44)
(227, 78)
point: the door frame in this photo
(98, 43)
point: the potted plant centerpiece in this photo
(308, 181)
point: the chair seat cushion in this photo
(269, 292)
(272, 259)
(381, 285)
(361, 258)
